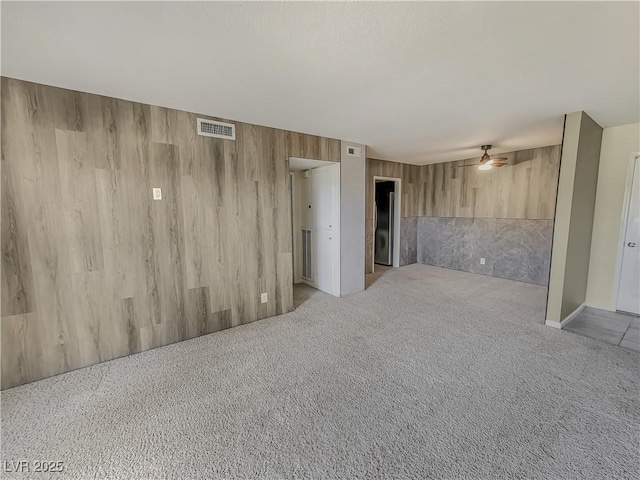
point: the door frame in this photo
(631, 165)
(296, 225)
(396, 215)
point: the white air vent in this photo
(354, 151)
(307, 274)
(209, 128)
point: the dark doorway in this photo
(384, 222)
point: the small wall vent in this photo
(210, 128)
(307, 274)
(354, 151)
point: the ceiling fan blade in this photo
(499, 159)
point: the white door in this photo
(629, 287)
(325, 269)
(323, 198)
(325, 188)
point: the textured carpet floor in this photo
(430, 373)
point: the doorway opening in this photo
(628, 288)
(386, 206)
(315, 213)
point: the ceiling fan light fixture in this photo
(486, 162)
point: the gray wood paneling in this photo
(524, 189)
(93, 268)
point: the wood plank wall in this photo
(93, 268)
(412, 184)
(526, 188)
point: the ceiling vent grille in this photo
(210, 128)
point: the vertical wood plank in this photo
(167, 233)
(81, 220)
(22, 356)
(18, 295)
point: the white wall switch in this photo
(263, 298)
(482, 261)
(157, 194)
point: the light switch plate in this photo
(263, 298)
(157, 194)
(482, 261)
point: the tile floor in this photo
(611, 327)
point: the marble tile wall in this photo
(408, 241)
(515, 249)
(368, 251)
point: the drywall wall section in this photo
(352, 217)
(94, 268)
(574, 216)
(618, 144)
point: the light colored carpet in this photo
(430, 373)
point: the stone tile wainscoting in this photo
(515, 249)
(408, 241)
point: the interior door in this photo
(629, 286)
(325, 251)
(326, 226)
(323, 198)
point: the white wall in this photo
(618, 143)
(295, 225)
(302, 218)
(352, 223)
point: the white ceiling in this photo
(416, 82)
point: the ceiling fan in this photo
(486, 162)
